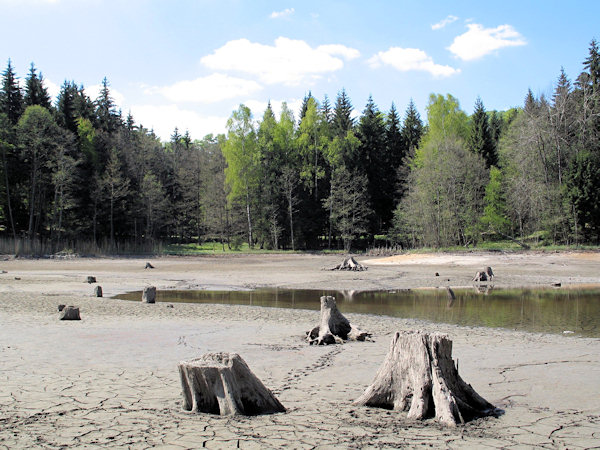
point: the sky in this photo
(190, 63)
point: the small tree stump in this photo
(480, 276)
(222, 383)
(490, 273)
(90, 280)
(97, 291)
(61, 307)
(69, 313)
(334, 328)
(419, 376)
(149, 266)
(149, 294)
(350, 264)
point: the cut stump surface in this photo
(222, 383)
(419, 376)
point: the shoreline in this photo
(111, 378)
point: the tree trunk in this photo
(334, 328)
(222, 383)
(8, 203)
(419, 376)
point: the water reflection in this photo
(539, 310)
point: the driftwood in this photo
(349, 264)
(419, 376)
(480, 276)
(149, 294)
(334, 328)
(97, 291)
(149, 266)
(222, 383)
(69, 313)
(90, 280)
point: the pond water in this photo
(548, 310)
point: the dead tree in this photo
(350, 264)
(419, 376)
(149, 294)
(69, 313)
(222, 383)
(334, 328)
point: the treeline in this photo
(76, 170)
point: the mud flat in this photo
(111, 379)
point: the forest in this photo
(77, 175)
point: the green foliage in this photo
(494, 212)
(481, 140)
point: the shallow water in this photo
(568, 311)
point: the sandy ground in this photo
(111, 379)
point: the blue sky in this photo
(190, 63)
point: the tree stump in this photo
(69, 313)
(149, 294)
(490, 273)
(149, 266)
(222, 383)
(334, 328)
(419, 376)
(98, 291)
(90, 280)
(350, 264)
(480, 276)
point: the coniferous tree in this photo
(342, 115)
(592, 64)
(326, 110)
(412, 129)
(106, 112)
(11, 97)
(35, 91)
(480, 137)
(66, 111)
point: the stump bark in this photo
(98, 291)
(350, 264)
(333, 328)
(419, 376)
(69, 313)
(149, 294)
(222, 383)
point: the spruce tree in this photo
(326, 110)
(592, 64)
(412, 129)
(480, 137)
(393, 138)
(11, 97)
(342, 115)
(35, 91)
(66, 114)
(106, 114)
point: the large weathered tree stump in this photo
(349, 263)
(419, 376)
(149, 294)
(334, 328)
(69, 313)
(222, 383)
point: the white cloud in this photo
(289, 61)
(279, 14)
(52, 88)
(479, 41)
(442, 23)
(209, 89)
(164, 119)
(407, 59)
